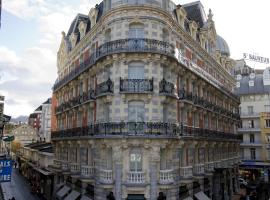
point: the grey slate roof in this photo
(195, 12)
(258, 88)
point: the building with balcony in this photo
(33, 162)
(34, 119)
(253, 88)
(144, 106)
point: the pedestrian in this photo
(15, 164)
(13, 198)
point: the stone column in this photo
(153, 180)
(118, 180)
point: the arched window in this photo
(136, 30)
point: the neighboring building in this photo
(35, 118)
(25, 134)
(45, 128)
(144, 105)
(254, 91)
(33, 163)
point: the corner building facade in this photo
(144, 104)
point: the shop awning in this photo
(62, 192)
(86, 198)
(201, 196)
(188, 198)
(73, 195)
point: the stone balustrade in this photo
(166, 176)
(136, 177)
(186, 172)
(106, 176)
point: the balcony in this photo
(245, 129)
(136, 177)
(166, 88)
(104, 88)
(131, 45)
(250, 115)
(106, 176)
(136, 85)
(143, 129)
(186, 172)
(65, 166)
(76, 101)
(217, 164)
(57, 164)
(87, 171)
(166, 176)
(204, 103)
(209, 167)
(198, 169)
(75, 168)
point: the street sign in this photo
(5, 170)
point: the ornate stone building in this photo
(144, 106)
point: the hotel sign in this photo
(256, 58)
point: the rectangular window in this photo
(135, 160)
(253, 154)
(251, 138)
(267, 108)
(251, 124)
(267, 123)
(250, 110)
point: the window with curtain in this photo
(136, 160)
(136, 30)
(136, 111)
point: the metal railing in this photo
(149, 129)
(118, 46)
(166, 87)
(198, 169)
(136, 85)
(104, 88)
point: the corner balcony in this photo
(198, 169)
(136, 85)
(131, 45)
(105, 176)
(186, 172)
(166, 88)
(136, 177)
(75, 168)
(166, 176)
(87, 171)
(104, 88)
(143, 129)
(209, 167)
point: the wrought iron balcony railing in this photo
(144, 129)
(136, 85)
(118, 46)
(166, 88)
(104, 88)
(200, 101)
(85, 97)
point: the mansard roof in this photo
(195, 12)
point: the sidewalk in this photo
(17, 188)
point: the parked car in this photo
(242, 181)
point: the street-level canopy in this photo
(73, 195)
(62, 192)
(201, 196)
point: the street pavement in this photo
(18, 188)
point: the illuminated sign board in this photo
(5, 170)
(256, 58)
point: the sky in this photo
(30, 36)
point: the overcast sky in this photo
(31, 31)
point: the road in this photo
(18, 188)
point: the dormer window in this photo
(82, 29)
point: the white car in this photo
(242, 181)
